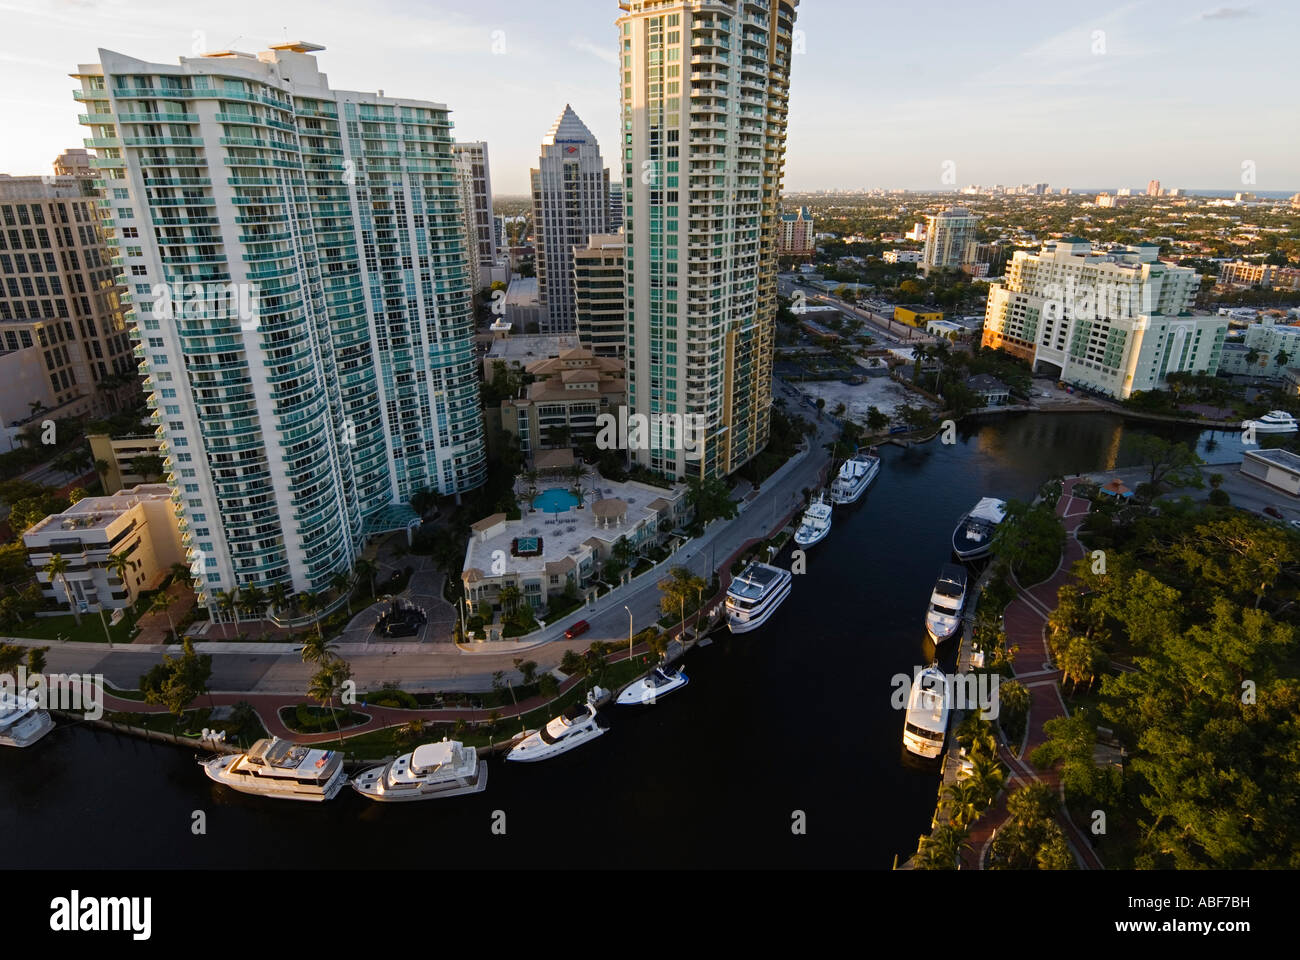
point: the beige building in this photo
(599, 295)
(568, 393)
(1242, 273)
(120, 453)
(542, 552)
(139, 523)
(61, 310)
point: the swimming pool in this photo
(555, 500)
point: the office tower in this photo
(946, 237)
(705, 91)
(796, 238)
(299, 419)
(62, 326)
(1116, 321)
(615, 204)
(476, 200)
(598, 290)
(570, 203)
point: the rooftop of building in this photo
(522, 292)
(96, 513)
(527, 349)
(1280, 458)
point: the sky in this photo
(926, 96)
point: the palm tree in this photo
(181, 573)
(1282, 358)
(57, 569)
(311, 603)
(941, 850)
(987, 775)
(317, 650)
(964, 803)
(366, 570)
(532, 476)
(119, 563)
(422, 501)
(278, 594)
(509, 598)
(102, 467)
(161, 603)
(254, 600)
(35, 406)
(326, 684)
(342, 583)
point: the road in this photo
(271, 668)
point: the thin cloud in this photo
(596, 50)
(1226, 13)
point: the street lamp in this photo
(629, 632)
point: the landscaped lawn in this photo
(91, 629)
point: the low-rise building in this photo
(522, 305)
(139, 524)
(991, 391)
(1279, 469)
(1242, 273)
(901, 256)
(915, 315)
(561, 406)
(542, 553)
(1258, 352)
(121, 454)
(518, 352)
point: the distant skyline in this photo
(880, 97)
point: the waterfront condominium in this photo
(295, 429)
(476, 200)
(705, 89)
(1115, 321)
(947, 235)
(570, 203)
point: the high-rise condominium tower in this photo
(476, 199)
(294, 430)
(599, 289)
(946, 237)
(570, 203)
(705, 88)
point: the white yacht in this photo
(973, 537)
(927, 713)
(570, 729)
(22, 721)
(854, 477)
(943, 618)
(816, 523)
(445, 769)
(753, 596)
(658, 683)
(1275, 421)
(278, 768)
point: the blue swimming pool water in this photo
(555, 500)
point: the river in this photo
(793, 717)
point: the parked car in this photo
(577, 630)
(1273, 512)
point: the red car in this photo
(577, 630)
(1273, 512)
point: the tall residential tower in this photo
(705, 89)
(294, 430)
(570, 204)
(476, 200)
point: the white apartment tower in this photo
(476, 200)
(294, 432)
(570, 204)
(946, 237)
(1115, 321)
(705, 90)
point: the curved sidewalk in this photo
(1025, 620)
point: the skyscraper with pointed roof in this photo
(570, 204)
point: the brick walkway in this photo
(1025, 619)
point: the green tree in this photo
(177, 681)
(1168, 461)
(56, 569)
